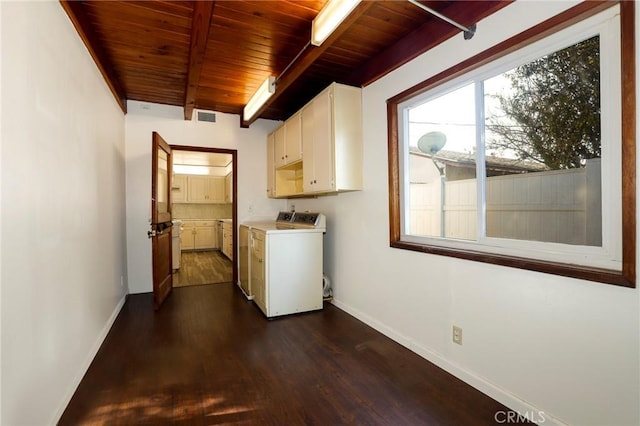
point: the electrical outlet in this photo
(457, 335)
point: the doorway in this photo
(204, 211)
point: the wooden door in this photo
(160, 232)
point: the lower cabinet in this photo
(204, 236)
(187, 241)
(258, 269)
(199, 235)
(227, 239)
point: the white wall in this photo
(533, 341)
(144, 118)
(1, 215)
(63, 211)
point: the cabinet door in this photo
(228, 188)
(227, 240)
(258, 283)
(204, 237)
(279, 147)
(292, 139)
(216, 245)
(216, 189)
(271, 169)
(307, 148)
(198, 189)
(323, 164)
(187, 237)
(179, 189)
(230, 244)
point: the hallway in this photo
(210, 357)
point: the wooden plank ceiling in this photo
(214, 55)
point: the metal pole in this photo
(468, 32)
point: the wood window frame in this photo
(627, 276)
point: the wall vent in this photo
(206, 116)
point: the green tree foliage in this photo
(552, 113)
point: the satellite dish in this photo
(432, 142)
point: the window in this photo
(515, 160)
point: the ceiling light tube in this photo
(328, 19)
(264, 92)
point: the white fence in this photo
(562, 206)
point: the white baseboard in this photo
(501, 395)
(82, 369)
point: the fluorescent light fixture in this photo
(331, 15)
(258, 99)
(187, 169)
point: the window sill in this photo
(573, 271)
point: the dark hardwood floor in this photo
(210, 357)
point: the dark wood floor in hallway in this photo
(210, 357)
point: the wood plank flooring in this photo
(210, 357)
(203, 267)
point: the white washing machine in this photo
(284, 263)
(176, 231)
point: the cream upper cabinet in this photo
(318, 165)
(332, 141)
(179, 189)
(217, 189)
(198, 189)
(292, 139)
(279, 147)
(206, 189)
(330, 131)
(228, 188)
(287, 142)
(308, 138)
(271, 169)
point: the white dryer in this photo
(284, 263)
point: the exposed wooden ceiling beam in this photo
(202, 12)
(307, 58)
(431, 34)
(75, 11)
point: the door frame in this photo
(234, 203)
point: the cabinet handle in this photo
(314, 181)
